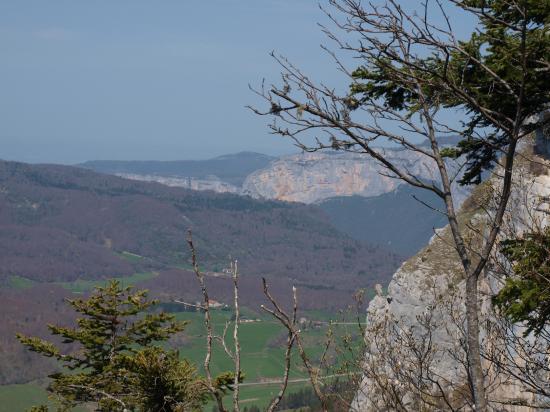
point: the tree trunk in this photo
(473, 344)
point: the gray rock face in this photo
(306, 178)
(432, 283)
(313, 177)
(211, 183)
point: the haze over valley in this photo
(336, 182)
(276, 205)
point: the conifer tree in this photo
(114, 363)
(525, 297)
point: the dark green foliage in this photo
(302, 398)
(339, 395)
(41, 408)
(451, 152)
(112, 362)
(508, 54)
(161, 382)
(224, 381)
(526, 295)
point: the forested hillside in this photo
(402, 220)
(67, 229)
(80, 220)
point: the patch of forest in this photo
(65, 229)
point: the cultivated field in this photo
(262, 342)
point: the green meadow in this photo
(15, 398)
(262, 346)
(81, 286)
(262, 343)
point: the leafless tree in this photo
(403, 364)
(409, 362)
(403, 361)
(291, 325)
(289, 322)
(520, 357)
(395, 42)
(205, 307)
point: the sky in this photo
(142, 79)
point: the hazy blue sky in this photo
(136, 79)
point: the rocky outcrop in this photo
(306, 177)
(346, 185)
(426, 293)
(212, 183)
(232, 168)
(313, 177)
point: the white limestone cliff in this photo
(429, 286)
(313, 177)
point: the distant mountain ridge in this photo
(232, 168)
(395, 220)
(61, 226)
(351, 188)
(305, 177)
(62, 223)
